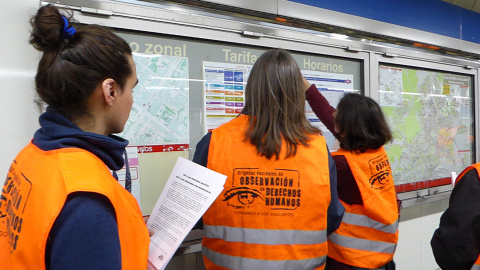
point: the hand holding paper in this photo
(189, 192)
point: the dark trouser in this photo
(388, 266)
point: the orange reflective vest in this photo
(476, 166)
(35, 191)
(368, 234)
(272, 214)
(476, 265)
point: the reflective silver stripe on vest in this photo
(475, 267)
(361, 220)
(240, 263)
(264, 236)
(362, 244)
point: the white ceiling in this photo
(473, 5)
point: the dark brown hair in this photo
(361, 123)
(72, 66)
(275, 101)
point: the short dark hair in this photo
(73, 65)
(275, 102)
(361, 123)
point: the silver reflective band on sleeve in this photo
(361, 220)
(362, 244)
(241, 263)
(266, 237)
(475, 267)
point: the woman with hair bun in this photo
(61, 205)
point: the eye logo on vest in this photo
(258, 190)
(12, 204)
(380, 171)
(3, 201)
(244, 195)
(380, 180)
(3, 215)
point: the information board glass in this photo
(196, 85)
(432, 118)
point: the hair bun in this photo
(47, 28)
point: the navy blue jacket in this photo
(85, 234)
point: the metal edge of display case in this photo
(422, 196)
(182, 16)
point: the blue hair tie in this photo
(67, 31)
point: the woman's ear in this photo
(109, 91)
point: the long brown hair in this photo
(362, 124)
(73, 64)
(275, 102)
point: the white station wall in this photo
(18, 64)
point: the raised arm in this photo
(320, 106)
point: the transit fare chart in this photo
(431, 116)
(224, 92)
